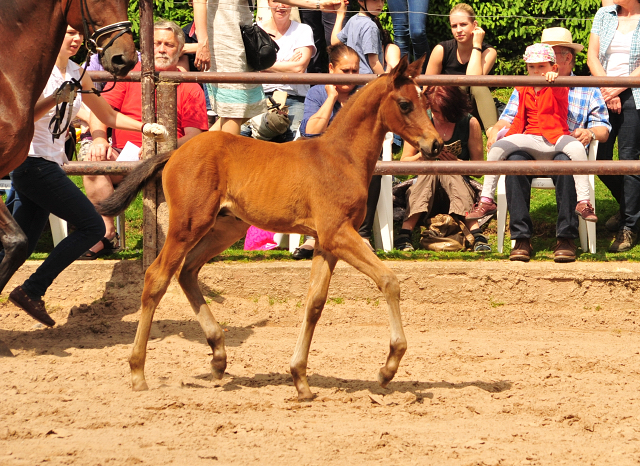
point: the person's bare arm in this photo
(319, 121)
(435, 61)
(337, 27)
(203, 58)
(584, 134)
(295, 65)
(100, 148)
(374, 63)
(593, 60)
(475, 141)
(392, 56)
(325, 5)
(189, 132)
(105, 112)
(410, 153)
(474, 66)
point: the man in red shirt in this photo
(127, 98)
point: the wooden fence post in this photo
(167, 93)
(150, 240)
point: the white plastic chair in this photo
(383, 221)
(587, 230)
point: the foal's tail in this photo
(127, 190)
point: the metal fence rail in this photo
(534, 167)
(361, 79)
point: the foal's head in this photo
(404, 109)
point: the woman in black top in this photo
(467, 54)
(449, 112)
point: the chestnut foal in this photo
(217, 184)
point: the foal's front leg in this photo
(348, 246)
(321, 269)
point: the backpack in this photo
(445, 233)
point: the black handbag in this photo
(261, 49)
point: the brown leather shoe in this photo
(565, 250)
(522, 251)
(34, 308)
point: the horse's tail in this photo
(127, 190)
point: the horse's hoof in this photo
(140, 386)
(384, 377)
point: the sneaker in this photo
(403, 243)
(32, 307)
(481, 244)
(522, 251)
(482, 209)
(481, 247)
(625, 240)
(565, 250)
(585, 210)
(613, 224)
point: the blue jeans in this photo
(625, 188)
(43, 187)
(409, 18)
(518, 189)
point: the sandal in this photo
(109, 247)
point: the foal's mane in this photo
(337, 125)
(372, 92)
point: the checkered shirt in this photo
(604, 25)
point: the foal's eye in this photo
(405, 106)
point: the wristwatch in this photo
(593, 135)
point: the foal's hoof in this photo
(218, 366)
(140, 386)
(306, 396)
(384, 377)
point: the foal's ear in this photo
(399, 70)
(415, 69)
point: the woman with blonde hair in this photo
(467, 54)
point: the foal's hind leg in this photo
(184, 233)
(227, 230)
(347, 245)
(15, 245)
(321, 269)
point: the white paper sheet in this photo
(130, 153)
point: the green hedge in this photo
(510, 25)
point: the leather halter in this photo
(91, 41)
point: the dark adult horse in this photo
(31, 32)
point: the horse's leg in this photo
(15, 245)
(321, 269)
(183, 234)
(347, 245)
(227, 230)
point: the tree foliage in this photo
(510, 25)
(181, 12)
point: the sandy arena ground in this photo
(508, 364)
